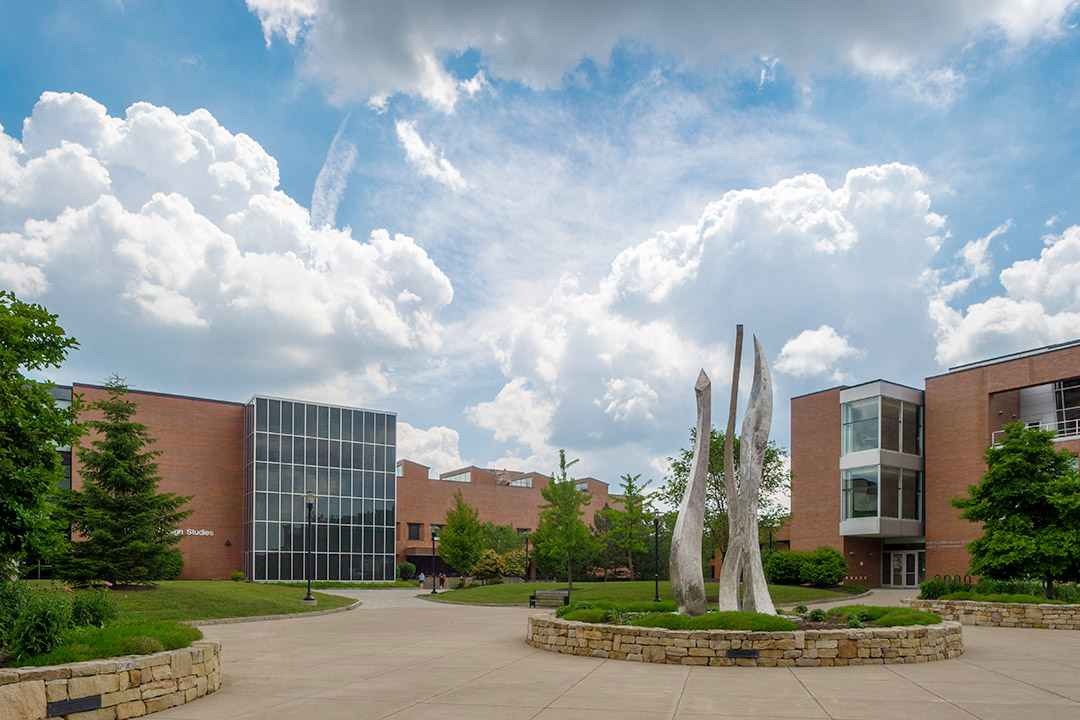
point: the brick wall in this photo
(815, 463)
(425, 500)
(201, 442)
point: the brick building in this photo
(505, 497)
(875, 464)
(248, 467)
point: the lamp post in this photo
(309, 540)
(434, 537)
(656, 555)
(526, 533)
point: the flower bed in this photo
(113, 689)
(802, 648)
(997, 614)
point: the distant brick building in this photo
(875, 464)
(505, 497)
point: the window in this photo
(583, 486)
(881, 491)
(1067, 402)
(521, 482)
(882, 423)
(414, 531)
(860, 430)
(459, 477)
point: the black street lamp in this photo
(434, 537)
(526, 534)
(309, 541)
(656, 555)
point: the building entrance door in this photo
(903, 568)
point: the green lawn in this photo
(620, 592)
(214, 599)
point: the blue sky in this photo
(525, 227)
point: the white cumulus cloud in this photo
(436, 447)
(816, 352)
(427, 161)
(176, 225)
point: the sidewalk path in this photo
(400, 657)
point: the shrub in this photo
(1067, 593)
(489, 566)
(854, 622)
(785, 567)
(237, 576)
(13, 597)
(885, 616)
(406, 571)
(497, 580)
(125, 638)
(817, 615)
(172, 564)
(459, 585)
(591, 615)
(854, 588)
(824, 567)
(40, 626)
(801, 609)
(1000, 598)
(92, 607)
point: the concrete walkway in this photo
(400, 657)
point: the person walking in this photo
(442, 581)
(421, 579)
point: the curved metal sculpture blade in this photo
(755, 441)
(687, 578)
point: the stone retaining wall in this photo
(112, 689)
(802, 648)
(1021, 615)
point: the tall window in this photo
(882, 422)
(881, 491)
(414, 531)
(1067, 401)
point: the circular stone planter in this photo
(802, 648)
(993, 614)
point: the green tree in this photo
(561, 535)
(628, 529)
(128, 528)
(1029, 504)
(513, 562)
(489, 567)
(501, 538)
(606, 556)
(32, 426)
(461, 539)
(775, 479)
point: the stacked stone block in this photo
(129, 686)
(801, 648)
(1021, 615)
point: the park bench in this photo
(549, 597)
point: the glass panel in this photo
(369, 457)
(324, 421)
(311, 451)
(298, 410)
(346, 424)
(273, 541)
(909, 569)
(273, 448)
(286, 536)
(391, 430)
(272, 566)
(369, 427)
(335, 454)
(910, 495)
(260, 476)
(886, 560)
(286, 449)
(298, 450)
(310, 483)
(260, 536)
(260, 566)
(335, 423)
(860, 491)
(922, 567)
(312, 417)
(380, 428)
(321, 509)
(275, 416)
(273, 477)
(335, 481)
(260, 414)
(890, 424)
(333, 536)
(335, 510)
(324, 452)
(324, 481)
(391, 483)
(380, 458)
(890, 492)
(911, 430)
(320, 538)
(898, 568)
(860, 419)
(260, 446)
(260, 506)
(286, 417)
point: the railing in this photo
(1063, 429)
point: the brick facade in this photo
(424, 500)
(962, 410)
(202, 455)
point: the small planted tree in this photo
(628, 531)
(126, 529)
(461, 541)
(489, 567)
(561, 535)
(1029, 505)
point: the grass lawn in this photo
(621, 592)
(214, 599)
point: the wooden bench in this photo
(549, 597)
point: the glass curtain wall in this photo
(882, 423)
(881, 491)
(346, 458)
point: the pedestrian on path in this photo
(442, 581)
(421, 579)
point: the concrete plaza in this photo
(401, 657)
